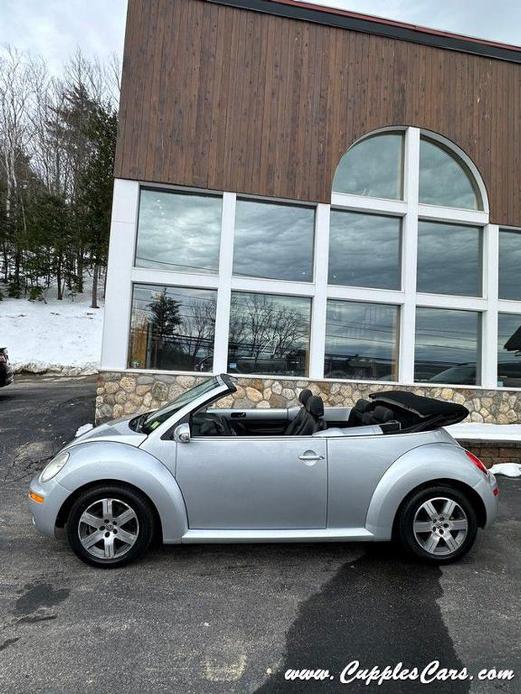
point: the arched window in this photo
(444, 179)
(373, 167)
(406, 238)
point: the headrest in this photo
(315, 406)
(363, 405)
(304, 396)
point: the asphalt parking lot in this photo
(234, 618)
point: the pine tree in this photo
(165, 320)
(95, 190)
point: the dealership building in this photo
(306, 196)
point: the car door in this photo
(257, 482)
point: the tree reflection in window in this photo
(269, 334)
(172, 328)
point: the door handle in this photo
(310, 457)
(238, 415)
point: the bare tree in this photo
(288, 331)
(15, 133)
(199, 328)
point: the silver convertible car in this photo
(191, 472)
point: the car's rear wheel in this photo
(109, 526)
(437, 524)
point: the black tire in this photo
(408, 513)
(140, 526)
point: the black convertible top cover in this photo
(431, 412)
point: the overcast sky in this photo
(54, 28)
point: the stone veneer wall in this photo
(124, 393)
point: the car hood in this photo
(117, 430)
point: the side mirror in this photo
(182, 433)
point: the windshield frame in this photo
(188, 400)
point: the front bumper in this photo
(45, 513)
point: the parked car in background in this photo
(6, 370)
(508, 375)
(191, 472)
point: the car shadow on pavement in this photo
(379, 610)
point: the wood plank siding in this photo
(231, 99)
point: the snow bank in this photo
(473, 431)
(507, 469)
(60, 336)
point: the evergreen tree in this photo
(165, 320)
(57, 144)
(95, 187)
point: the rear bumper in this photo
(486, 488)
(6, 375)
(44, 514)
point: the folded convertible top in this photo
(430, 413)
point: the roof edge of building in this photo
(379, 26)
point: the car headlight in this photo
(54, 467)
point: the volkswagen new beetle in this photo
(191, 472)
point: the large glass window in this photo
(274, 241)
(269, 334)
(449, 259)
(509, 350)
(510, 264)
(361, 341)
(445, 180)
(447, 346)
(377, 233)
(172, 328)
(364, 250)
(372, 167)
(179, 231)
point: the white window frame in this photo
(122, 274)
(511, 306)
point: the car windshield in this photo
(153, 419)
(456, 374)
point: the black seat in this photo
(313, 419)
(296, 423)
(380, 415)
(357, 412)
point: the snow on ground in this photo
(83, 430)
(60, 336)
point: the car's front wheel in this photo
(437, 524)
(109, 526)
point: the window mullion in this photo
(319, 307)
(118, 298)
(490, 316)
(222, 317)
(409, 255)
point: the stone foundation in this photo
(125, 393)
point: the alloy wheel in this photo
(440, 526)
(108, 528)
